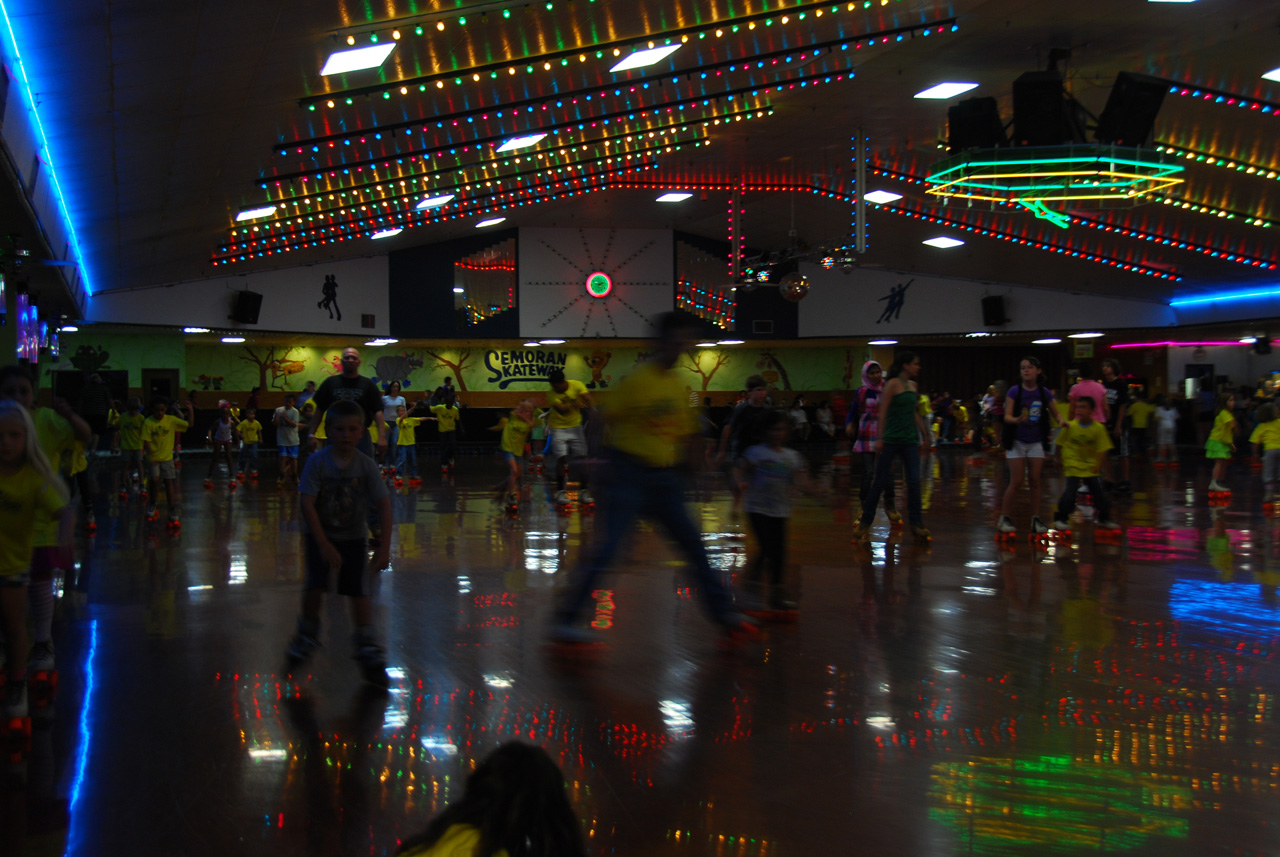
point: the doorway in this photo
(159, 382)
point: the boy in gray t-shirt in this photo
(338, 487)
(286, 419)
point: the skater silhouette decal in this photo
(896, 298)
(330, 301)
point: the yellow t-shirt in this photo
(1140, 413)
(448, 416)
(460, 840)
(1267, 434)
(54, 434)
(1224, 427)
(131, 431)
(557, 420)
(160, 434)
(76, 460)
(1081, 447)
(26, 501)
(250, 431)
(515, 434)
(407, 426)
(962, 414)
(320, 435)
(650, 417)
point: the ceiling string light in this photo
(554, 61)
(1220, 96)
(1210, 159)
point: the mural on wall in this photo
(692, 362)
(502, 366)
(91, 351)
(896, 298)
(330, 292)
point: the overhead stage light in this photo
(946, 90)
(640, 59)
(674, 197)
(434, 201)
(521, 142)
(341, 62)
(255, 213)
(943, 242)
(881, 196)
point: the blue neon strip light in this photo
(82, 754)
(47, 151)
(1226, 296)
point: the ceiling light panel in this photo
(880, 197)
(945, 90)
(434, 201)
(943, 242)
(521, 142)
(648, 57)
(341, 62)
(492, 221)
(255, 213)
(1274, 74)
(674, 197)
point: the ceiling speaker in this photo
(246, 308)
(1042, 113)
(1262, 345)
(975, 124)
(1130, 114)
(993, 310)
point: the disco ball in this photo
(828, 262)
(794, 287)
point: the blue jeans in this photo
(248, 452)
(633, 490)
(910, 453)
(407, 459)
(393, 435)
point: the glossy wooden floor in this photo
(932, 700)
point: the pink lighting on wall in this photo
(1175, 344)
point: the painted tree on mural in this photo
(773, 369)
(456, 365)
(273, 363)
(693, 362)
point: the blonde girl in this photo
(29, 489)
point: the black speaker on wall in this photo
(246, 308)
(1262, 345)
(993, 310)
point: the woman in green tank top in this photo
(902, 434)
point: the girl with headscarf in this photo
(863, 428)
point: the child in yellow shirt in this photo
(406, 451)
(1083, 443)
(250, 431)
(1221, 444)
(1266, 443)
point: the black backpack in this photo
(1010, 432)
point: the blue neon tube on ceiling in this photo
(1226, 296)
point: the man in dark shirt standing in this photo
(1117, 407)
(351, 385)
(95, 405)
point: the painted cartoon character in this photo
(597, 361)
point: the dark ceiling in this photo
(166, 118)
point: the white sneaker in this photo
(1214, 486)
(15, 699)
(1060, 524)
(1006, 525)
(562, 497)
(1037, 526)
(584, 496)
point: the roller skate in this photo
(1219, 495)
(564, 505)
(17, 721)
(921, 534)
(1006, 533)
(1108, 532)
(511, 505)
(240, 477)
(586, 502)
(142, 496)
(738, 630)
(895, 517)
(861, 535)
(124, 494)
(399, 483)
(304, 643)
(415, 482)
(174, 524)
(1040, 536)
(90, 525)
(1269, 504)
(372, 659)
(1061, 529)
(253, 476)
(208, 484)
(42, 676)
(152, 512)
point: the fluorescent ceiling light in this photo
(457, 290)
(381, 341)
(70, 328)
(1248, 340)
(674, 197)
(195, 330)
(978, 333)
(707, 344)
(1274, 74)
(943, 242)
(490, 222)
(341, 62)
(640, 59)
(732, 341)
(1049, 341)
(233, 339)
(1093, 335)
(433, 201)
(946, 90)
(551, 342)
(255, 213)
(532, 344)
(883, 342)
(881, 196)
(1171, 1)
(521, 142)
(387, 233)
